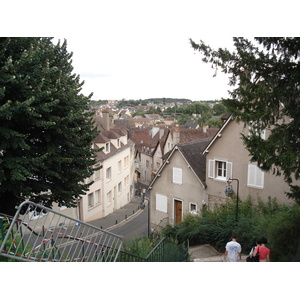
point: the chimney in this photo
(176, 135)
(105, 122)
(205, 127)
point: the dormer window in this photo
(118, 143)
(107, 147)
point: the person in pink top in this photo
(264, 252)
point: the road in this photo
(134, 227)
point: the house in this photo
(169, 121)
(154, 118)
(179, 185)
(113, 184)
(227, 157)
(181, 135)
(191, 124)
(149, 150)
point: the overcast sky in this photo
(135, 49)
(140, 67)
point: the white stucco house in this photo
(113, 183)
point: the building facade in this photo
(113, 182)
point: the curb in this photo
(125, 220)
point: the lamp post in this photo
(229, 193)
(142, 206)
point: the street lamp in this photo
(229, 193)
(142, 206)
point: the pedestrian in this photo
(264, 252)
(233, 250)
(250, 258)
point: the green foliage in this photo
(139, 246)
(145, 249)
(219, 109)
(214, 123)
(279, 223)
(45, 130)
(265, 76)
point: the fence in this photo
(164, 251)
(42, 234)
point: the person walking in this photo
(264, 252)
(250, 258)
(233, 250)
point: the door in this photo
(177, 211)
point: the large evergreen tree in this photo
(45, 131)
(265, 75)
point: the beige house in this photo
(113, 184)
(179, 186)
(149, 151)
(227, 157)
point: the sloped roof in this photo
(218, 134)
(187, 135)
(192, 151)
(191, 124)
(105, 136)
(100, 156)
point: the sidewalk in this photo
(206, 253)
(119, 216)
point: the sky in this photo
(141, 67)
(135, 49)
(129, 49)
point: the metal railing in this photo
(42, 234)
(164, 251)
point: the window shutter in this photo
(211, 168)
(255, 176)
(177, 175)
(229, 170)
(161, 203)
(251, 175)
(259, 177)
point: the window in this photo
(193, 208)
(97, 173)
(109, 197)
(126, 161)
(147, 164)
(161, 203)
(97, 197)
(120, 165)
(107, 147)
(177, 175)
(120, 187)
(108, 173)
(254, 130)
(219, 169)
(255, 176)
(126, 181)
(90, 200)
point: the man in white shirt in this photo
(233, 250)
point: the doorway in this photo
(177, 211)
